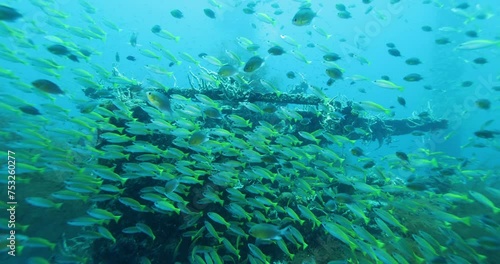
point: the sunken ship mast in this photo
(305, 108)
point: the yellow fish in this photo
(159, 101)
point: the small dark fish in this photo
(198, 138)
(31, 110)
(311, 45)
(227, 70)
(390, 45)
(417, 186)
(276, 50)
(331, 56)
(344, 14)
(482, 16)
(58, 49)
(413, 77)
(47, 86)
(133, 39)
(209, 13)
(303, 17)
(130, 58)
(330, 82)
(290, 75)
(369, 164)
(442, 41)
(117, 57)
(253, 64)
(278, 12)
(467, 84)
(385, 77)
(73, 58)
(85, 52)
(464, 5)
(480, 60)
(413, 61)
(402, 156)
(486, 133)
(357, 151)
(394, 1)
(334, 73)
(156, 29)
(427, 28)
(483, 104)
(496, 88)
(471, 34)
(9, 14)
(248, 11)
(427, 87)
(177, 13)
(212, 112)
(202, 55)
(394, 52)
(171, 64)
(340, 7)
(401, 101)
(270, 108)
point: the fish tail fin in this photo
(24, 228)
(434, 163)
(380, 244)
(35, 158)
(466, 220)
(123, 180)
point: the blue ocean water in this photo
(440, 183)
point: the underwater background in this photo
(221, 131)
